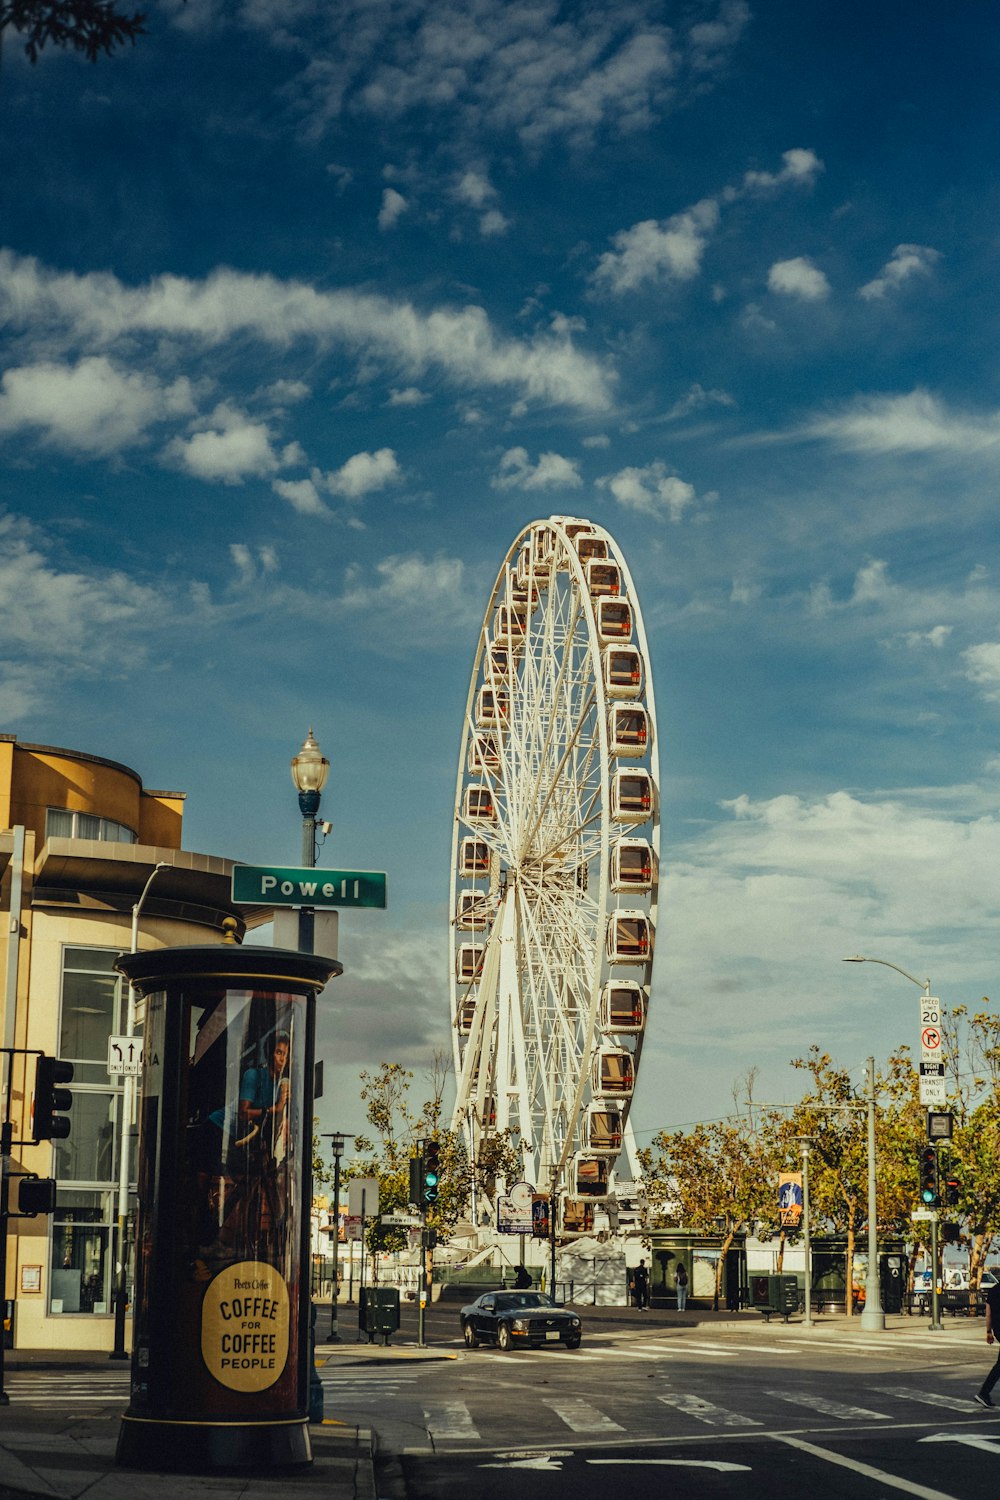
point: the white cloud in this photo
(652, 491)
(982, 666)
(363, 474)
(798, 277)
(411, 603)
(91, 407)
(551, 472)
(475, 189)
(408, 396)
(58, 617)
(393, 206)
(98, 309)
(665, 250)
(905, 262)
(936, 636)
(302, 495)
(230, 451)
(801, 168)
(915, 423)
(696, 398)
(492, 224)
(658, 250)
(250, 564)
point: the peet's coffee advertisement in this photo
(245, 1322)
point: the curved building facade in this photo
(80, 837)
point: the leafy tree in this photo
(972, 1061)
(717, 1178)
(87, 26)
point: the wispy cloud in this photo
(660, 251)
(90, 407)
(97, 309)
(918, 422)
(905, 262)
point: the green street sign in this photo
(274, 885)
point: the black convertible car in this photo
(509, 1318)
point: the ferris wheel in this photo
(555, 863)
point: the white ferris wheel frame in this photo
(525, 1059)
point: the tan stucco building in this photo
(80, 837)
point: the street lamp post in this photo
(128, 1096)
(804, 1142)
(336, 1151)
(878, 1321)
(310, 768)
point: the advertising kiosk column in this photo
(221, 1347)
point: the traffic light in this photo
(416, 1179)
(48, 1124)
(930, 1192)
(430, 1172)
(952, 1187)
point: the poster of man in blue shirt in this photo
(790, 1199)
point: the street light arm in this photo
(858, 958)
(137, 908)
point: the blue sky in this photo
(305, 310)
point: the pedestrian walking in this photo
(681, 1284)
(640, 1286)
(992, 1321)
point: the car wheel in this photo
(503, 1337)
(470, 1336)
(573, 1343)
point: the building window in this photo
(60, 824)
(85, 1164)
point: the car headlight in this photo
(574, 1322)
(520, 1325)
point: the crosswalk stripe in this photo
(928, 1398)
(707, 1411)
(449, 1419)
(829, 1408)
(580, 1416)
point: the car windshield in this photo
(515, 1301)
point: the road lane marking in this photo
(922, 1491)
(707, 1411)
(449, 1419)
(829, 1408)
(580, 1416)
(970, 1439)
(679, 1463)
(929, 1398)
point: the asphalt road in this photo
(696, 1412)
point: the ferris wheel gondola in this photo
(555, 860)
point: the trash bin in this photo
(892, 1282)
(378, 1311)
(774, 1295)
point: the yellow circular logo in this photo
(244, 1326)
